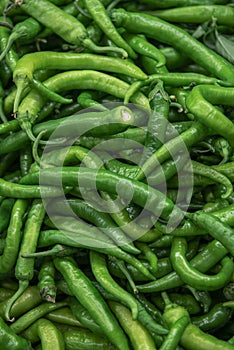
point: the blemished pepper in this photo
(46, 281)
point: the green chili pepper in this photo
(175, 332)
(70, 80)
(143, 47)
(64, 316)
(72, 32)
(25, 30)
(138, 334)
(101, 17)
(84, 317)
(13, 237)
(48, 334)
(193, 277)
(28, 64)
(24, 269)
(202, 169)
(102, 220)
(203, 261)
(165, 32)
(81, 339)
(216, 318)
(5, 213)
(101, 273)
(34, 314)
(193, 338)
(46, 282)
(11, 56)
(85, 99)
(189, 137)
(11, 341)
(222, 14)
(28, 300)
(140, 192)
(200, 99)
(216, 228)
(70, 238)
(80, 286)
(185, 300)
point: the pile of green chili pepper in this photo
(116, 174)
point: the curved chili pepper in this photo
(168, 33)
(24, 30)
(11, 56)
(85, 99)
(71, 80)
(143, 47)
(28, 300)
(175, 333)
(72, 31)
(203, 261)
(102, 220)
(216, 228)
(193, 277)
(216, 318)
(199, 104)
(189, 137)
(70, 238)
(192, 334)
(141, 194)
(28, 64)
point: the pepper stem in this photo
(14, 36)
(21, 85)
(22, 286)
(89, 44)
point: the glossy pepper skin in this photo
(11, 341)
(193, 338)
(81, 286)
